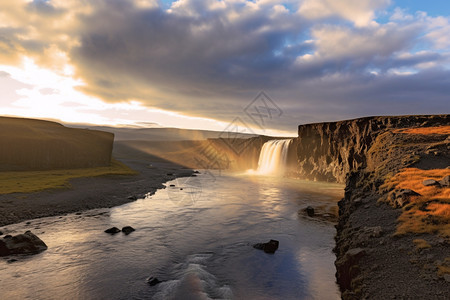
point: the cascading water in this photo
(273, 157)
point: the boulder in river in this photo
(153, 281)
(112, 230)
(269, 247)
(310, 211)
(128, 229)
(26, 243)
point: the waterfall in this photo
(273, 157)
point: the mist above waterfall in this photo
(273, 157)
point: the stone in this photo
(402, 197)
(310, 211)
(172, 185)
(346, 267)
(430, 182)
(152, 281)
(112, 230)
(128, 229)
(269, 247)
(445, 181)
(27, 243)
(132, 197)
(1, 233)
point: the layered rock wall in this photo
(329, 151)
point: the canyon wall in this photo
(27, 144)
(329, 151)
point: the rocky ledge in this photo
(393, 234)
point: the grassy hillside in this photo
(28, 144)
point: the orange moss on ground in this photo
(425, 130)
(429, 212)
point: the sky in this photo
(261, 66)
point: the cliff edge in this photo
(393, 234)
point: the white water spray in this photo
(273, 157)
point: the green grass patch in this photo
(35, 181)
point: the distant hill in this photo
(31, 144)
(162, 134)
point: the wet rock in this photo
(128, 229)
(430, 182)
(152, 281)
(445, 181)
(132, 197)
(1, 233)
(310, 211)
(172, 185)
(9, 261)
(27, 243)
(112, 230)
(196, 172)
(269, 247)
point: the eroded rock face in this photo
(27, 243)
(329, 151)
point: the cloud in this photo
(318, 60)
(360, 12)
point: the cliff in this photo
(28, 144)
(329, 151)
(393, 232)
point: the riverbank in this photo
(91, 192)
(393, 237)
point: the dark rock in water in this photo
(196, 172)
(430, 182)
(9, 261)
(128, 229)
(112, 230)
(193, 175)
(8, 236)
(445, 181)
(310, 211)
(26, 243)
(132, 197)
(153, 281)
(269, 247)
(1, 233)
(181, 189)
(172, 185)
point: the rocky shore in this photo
(90, 193)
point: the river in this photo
(195, 236)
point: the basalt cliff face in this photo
(28, 144)
(391, 241)
(329, 151)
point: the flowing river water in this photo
(196, 237)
